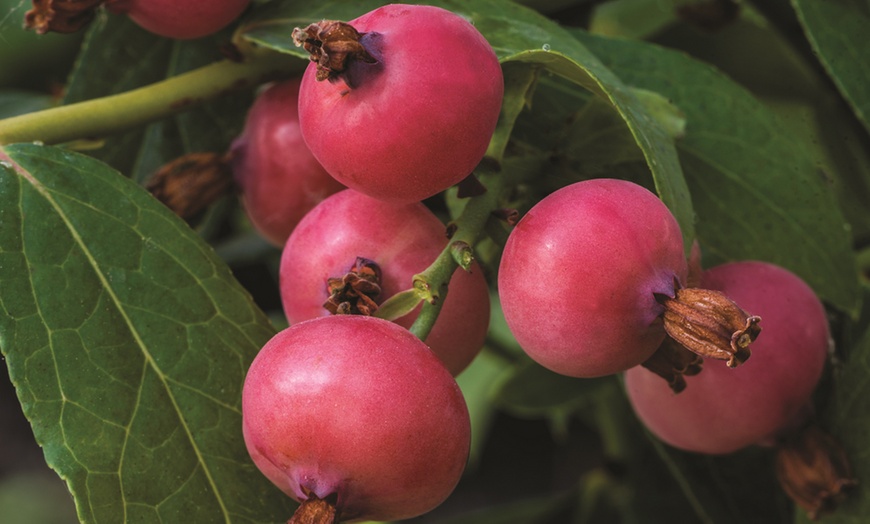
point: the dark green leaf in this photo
(477, 382)
(553, 6)
(787, 81)
(518, 34)
(533, 510)
(15, 102)
(127, 340)
(118, 56)
(740, 487)
(837, 31)
(584, 137)
(633, 18)
(845, 417)
(532, 390)
(27, 59)
(757, 192)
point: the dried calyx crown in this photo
(813, 470)
(354, 293)
(333, 46)
(315, 510)
(701, 323)
(60, 16)
(190, 183)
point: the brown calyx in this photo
(192, 182)
(813, 470)
(333, 46)
(710, 324)
(60, 16)
(673, 362)
(355, 292)
(315, 511)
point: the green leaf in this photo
(28, 59)
(844, 415)
(118, 56)
(15, 102)
(399, 305)
(787, 81)
(476, 382)
(540, 509)
(127, 340)
(532, 390)
(632, 18)
(583, 136)
(517, 34)
(739, 487)
(757, 191)
(837, 31)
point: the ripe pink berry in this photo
(403, 240)
(723, 409)
(579, 275)
(180, 19)
(358, 410)
(417, 121)
(279, 177)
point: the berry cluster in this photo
(354, 416)
(354, 410)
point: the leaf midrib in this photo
(46, 193)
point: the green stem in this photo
(111, 114)
(433, 280)
(425, 321)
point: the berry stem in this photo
(432, 282)
(111, 114)
(520, 81)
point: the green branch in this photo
(431, 284)
(108, 115)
